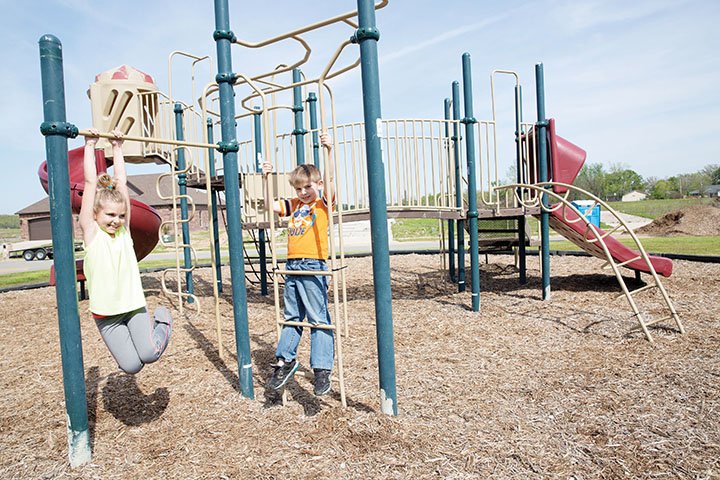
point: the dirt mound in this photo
(698, 220)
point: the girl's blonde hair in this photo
(107, 192)
(303, 174)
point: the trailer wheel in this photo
(28, 255)
(40, 254)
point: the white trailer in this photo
(34, 249)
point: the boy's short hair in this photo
(303, 174)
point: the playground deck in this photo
(524, 389)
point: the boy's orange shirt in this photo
(307, 228)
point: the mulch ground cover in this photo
(524, 389)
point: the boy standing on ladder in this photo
(306, 295)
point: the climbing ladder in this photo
(336, 276)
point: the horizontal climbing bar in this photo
(654, 322)
(162, 141)
(306, 324)
(636, 291)
(307, 273)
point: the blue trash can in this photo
(584, 205)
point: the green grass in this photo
(24, 278)
(420, 229)
(534, 225)
(415, 229)
(9, 221)
(170, 263)
(200, 240)
(43, 276)
(153, 264)
(677, 245)
(657, 208)
(10, 234)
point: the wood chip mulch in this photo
(525, 389)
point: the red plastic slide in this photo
(566, 160)
(145, 219)
(566, 225)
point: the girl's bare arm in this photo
(87, 216)
(119, 172)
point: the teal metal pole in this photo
(543, 177)
(229, 147)
(522, 263)
(458, 186)
(213, 206)
(312, 106)
(182, 184)
(450, 223)
(57, 131)
(367, 36)
(261, 232)
(297, 108)
(469, 121)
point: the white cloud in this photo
(445, 37)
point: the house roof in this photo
(712, 189)
(142, 188)
(41, 206)
(635, 193)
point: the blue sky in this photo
(633, 83)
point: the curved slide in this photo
(566, 160)
(145, 219)
(565, 222)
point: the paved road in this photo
(19, 265)
(633, 221)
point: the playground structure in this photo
(402, 168)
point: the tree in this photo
(660, 190)
(694, 183)
(713, 172)
(592, 179)
(621, 181)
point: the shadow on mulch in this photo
(211, 353)
(92, 379)
(124, 400)
(406, 285)
(263, 356)
(505, 279)
(312, 405)
(592, 282)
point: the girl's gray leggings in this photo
(134, 338)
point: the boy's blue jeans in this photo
(307, 296)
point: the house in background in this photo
(35, 218)
(634, 196)
(713, 191)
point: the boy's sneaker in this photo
(322, 382)
(282, 373)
